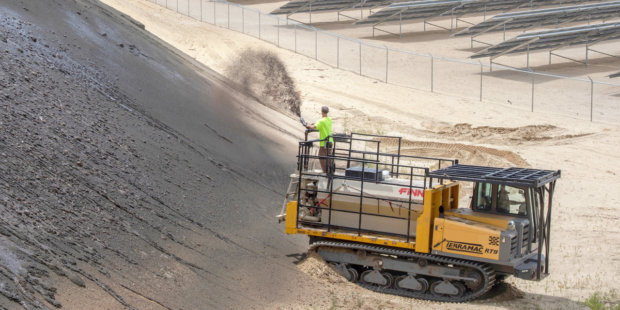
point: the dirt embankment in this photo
(128, 180)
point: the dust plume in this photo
(263, 75)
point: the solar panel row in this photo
(410, 11)
(305, 6)
(469, 7)
(414, 10)
(544, 17)
(550, 39)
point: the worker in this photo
(503, 201)
(324, 125)
(484, 203)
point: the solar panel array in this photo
(305, 6)
(545, 17)
(468, 7)
(425, 9)
(549, 39)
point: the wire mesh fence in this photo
(539, 92)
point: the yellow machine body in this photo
(465, 237)
(457, 231)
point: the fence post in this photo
(432, 73)
(337, 52)
(387, 51)
(360, 57)
(481, 72)
(533, 79)
(316, 44)
(591, 99)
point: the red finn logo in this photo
(411, 191)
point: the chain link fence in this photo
(539, 92)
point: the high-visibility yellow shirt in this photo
(324, 126)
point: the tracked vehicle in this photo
(393, 223)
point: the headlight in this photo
(511, 225)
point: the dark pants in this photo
(325, 163)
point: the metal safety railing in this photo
(350, 151)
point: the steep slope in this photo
(129, 175)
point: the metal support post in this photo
(295, 38)
(259, 24)
(387, 51)
(214, 14)
(360, 57)
(310, 13)
(337, 52)
(177, 6)
(481, 71)
(316, 44)
(278, 32)
(228, 12)
(451, 19)
(528, 56)
(201, 10)
(432, 73)
(533, 80)
(400, 26)
(587, 48)
(242, 19)
(591, 98)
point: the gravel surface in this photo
(127, 178)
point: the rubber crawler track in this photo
(485, 270)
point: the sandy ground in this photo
(136, 177)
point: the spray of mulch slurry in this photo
(262, 74)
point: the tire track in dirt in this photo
(465, 153)
(503, 135)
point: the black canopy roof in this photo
(510, 176)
